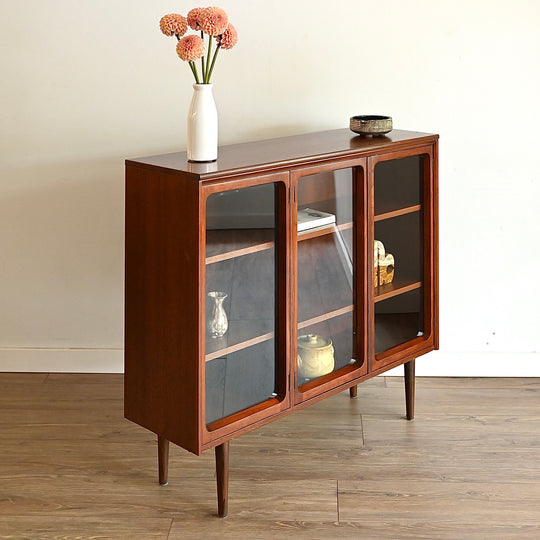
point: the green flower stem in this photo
(206, 77)
(194, 71)
(213, 62)
(202, 57)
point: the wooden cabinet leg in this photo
(353, 391)
(409, 389)
(163, 460)
(222, 475)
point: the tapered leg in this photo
(353, 391)
(222, 474)
(163, 460)
(409, 389)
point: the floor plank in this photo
(467, 467)
(441, 503)
(96, 528)
(254, 529)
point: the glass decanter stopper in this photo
(218, 324)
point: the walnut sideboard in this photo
(290, 231)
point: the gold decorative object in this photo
(383, 265)
(315, 356)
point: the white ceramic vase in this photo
(202, 128)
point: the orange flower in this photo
(173, 24)
(194, 17)
(214, 21)
(190, 48)
(229, 38)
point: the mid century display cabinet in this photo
(287, 271)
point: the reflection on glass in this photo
(326, 274)
(241, 260)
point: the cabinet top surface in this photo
(284, 152)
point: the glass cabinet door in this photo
(326, 271)
(241, 308)
(399, 254)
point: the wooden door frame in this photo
(347, 376)
(225, 429)
(429, 341)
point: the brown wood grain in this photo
(219, 242)
(325, 317)
(314, 233)
(398, 286)
(410, 387)
(398, 212)
(467, 467)
(172, 260)
(429, 264)
(222, 430)
(163, 460)
(435, 240)
(239, 346)
(222, 477)
(161, 345)
(284, 153)
(239, 252)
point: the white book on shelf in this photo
(309, 219)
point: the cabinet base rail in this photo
(222, 450)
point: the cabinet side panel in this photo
(436, 244)
(161, 388)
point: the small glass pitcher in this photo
(218, 324)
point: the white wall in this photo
(86, 84)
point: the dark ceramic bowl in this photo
(371, 124)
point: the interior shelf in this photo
(224, 351)
(398, 212)
(325, 317)
(321, 231)
(222, 245)
(233, 341)
(225, 244)
(398, 286)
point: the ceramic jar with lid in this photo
(315, 356)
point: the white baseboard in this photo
(45, 360)
(434, 364)
(475, 364)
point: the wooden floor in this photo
(467, 467)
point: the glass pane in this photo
(398, 320)
(398, 184)
(401, 239)
(241, 287)
(398, 252)
(326, 275)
